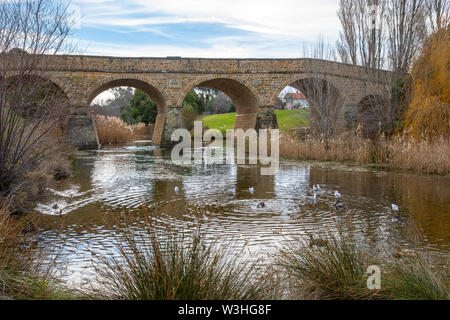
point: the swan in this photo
(395, 207)
(337, 194)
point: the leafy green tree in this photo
(141, 109)
(191, 99)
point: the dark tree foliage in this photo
(142, 109)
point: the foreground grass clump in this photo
(335, 270)
(401, 153)
(150, 267)
(23, 273)
(415, 279)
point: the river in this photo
(140, 180)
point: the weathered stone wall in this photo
(252, 84)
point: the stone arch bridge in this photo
(252, 84)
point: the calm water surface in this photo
(139, 181)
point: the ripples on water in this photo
(138, 179)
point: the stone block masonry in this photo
(252, 84)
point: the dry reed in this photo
(400, 152)
(112, 130)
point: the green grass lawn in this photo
(287, 119)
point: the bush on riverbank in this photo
(173, 267)
(400, 152)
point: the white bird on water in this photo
(313, 198)
(337, 194)
(251, 190)
(177, 190)
(316, 188)
(394, 207)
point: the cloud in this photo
(248, 28)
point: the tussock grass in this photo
(402, 153)
(174, 267)
(335, 271)
(23, 272)
(416, 279)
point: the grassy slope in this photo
(287, 119)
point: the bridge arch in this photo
(295, 80)
(244, 97)
(154, 93)
(38, 80)
(243, 94)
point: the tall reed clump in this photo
(173, 267)
(334, 271)
(23, 272)
(112, 130)
(399, 152)
(142, 130)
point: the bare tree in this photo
(438, 12)
(326, 104)
(122, 96)
(406, 21)
(222, 103)
(362, 39)
(30, 106)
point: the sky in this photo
(203, 28)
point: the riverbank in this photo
(397, 153)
